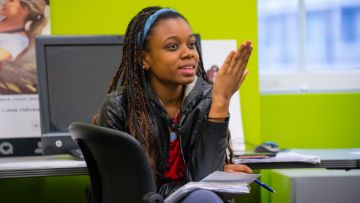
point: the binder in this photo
(226, 185)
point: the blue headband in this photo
(149, 22)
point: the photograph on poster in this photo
(214, 53)
(20, 21)
(212, 72)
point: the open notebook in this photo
(226, 185)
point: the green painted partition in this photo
(58, 189)
(311, 120)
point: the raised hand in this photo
(229, 78)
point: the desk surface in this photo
(330, 159)
(36, 166)
(65, 165)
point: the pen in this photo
(264, 186)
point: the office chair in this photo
(118, 167)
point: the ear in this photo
(146, 64)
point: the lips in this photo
(188, 69)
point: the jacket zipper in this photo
(182, 154)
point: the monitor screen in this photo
(74, 74)
(78, 77)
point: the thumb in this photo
(244, 75)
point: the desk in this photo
(41, 166)
(65, 165)
(330, 159)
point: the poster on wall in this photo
(20, 21)
(214, 53)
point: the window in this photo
(309, 45)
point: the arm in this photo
(210, 149)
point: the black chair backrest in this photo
(118, 167)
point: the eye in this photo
(192, 44)
(172, 46)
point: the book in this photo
(226, 185)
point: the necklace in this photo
(177, 110)
(172, 133)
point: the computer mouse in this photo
(267, 147)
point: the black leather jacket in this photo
(203, 143)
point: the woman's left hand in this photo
(237, 168)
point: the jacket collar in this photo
(190, 92)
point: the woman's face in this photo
(12, 8)
(172, 57)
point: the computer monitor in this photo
(74, 74)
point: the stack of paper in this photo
(282, 157)
(226, 185)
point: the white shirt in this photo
(13, 43)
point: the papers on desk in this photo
(355, 152)
(282, 157)
(226, 185)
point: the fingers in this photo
(238, 168)
(239, 172)
(239, 56)
(244, 61)
(227, 62)
(242, 168)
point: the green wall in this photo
(311, 120)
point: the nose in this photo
(187, 53)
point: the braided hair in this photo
(141, 123)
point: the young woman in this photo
(166, 101)
(15, 40)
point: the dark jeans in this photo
(197, 196)
(202, 196)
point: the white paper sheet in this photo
(282, 157)
(219, 176)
